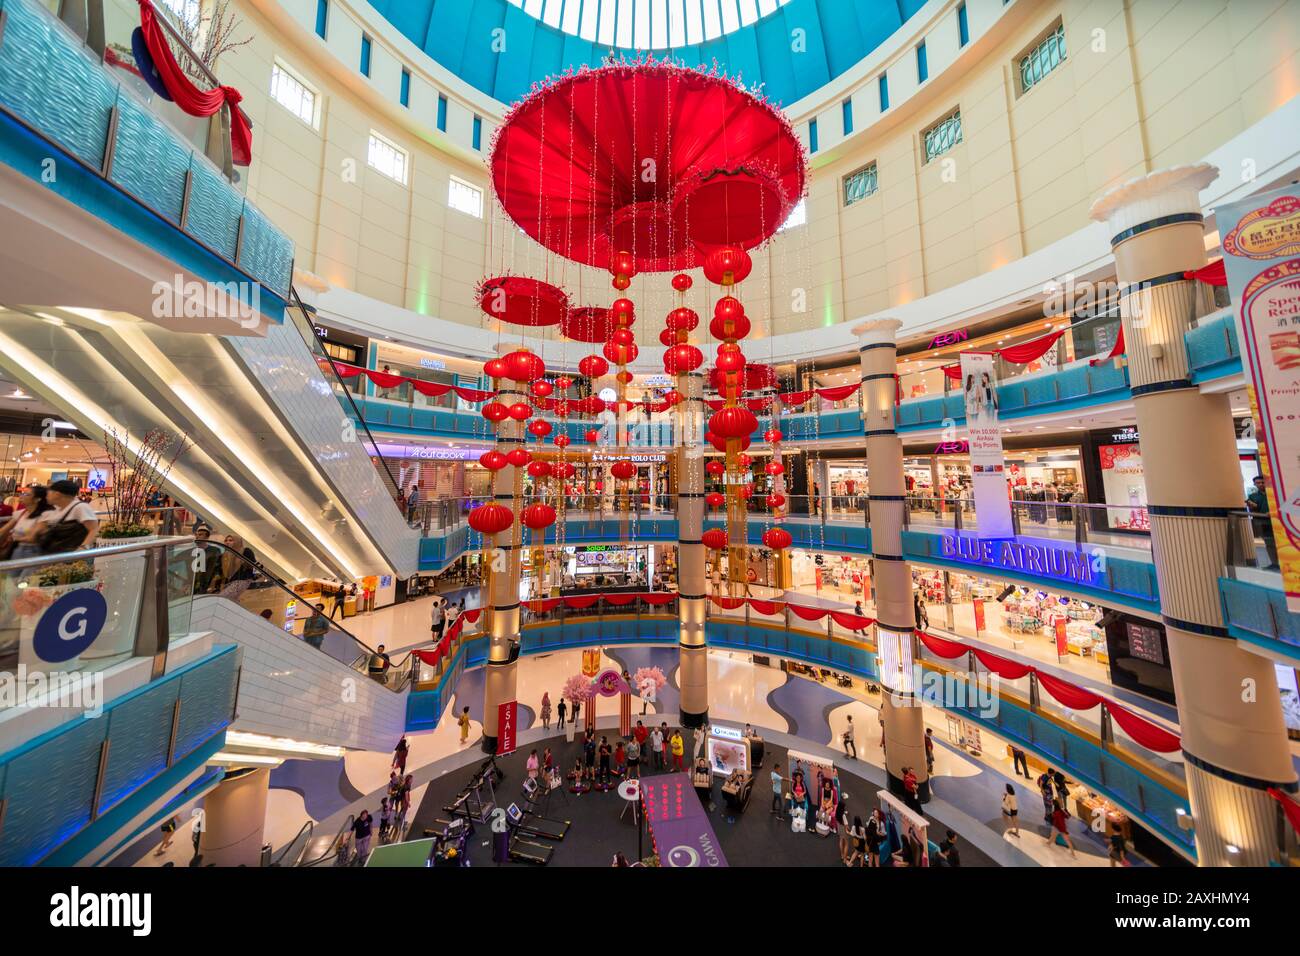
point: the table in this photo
(630, 791)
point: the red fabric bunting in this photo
(619, 600)
(758, 404)
(808, 613)
(1004, 668)
(472, 616)
(1116, 351)
(854, 622)
(189, 97)
(1076, 698)
(580, 603)
(767, 607)
(952, 371)
(657, 598)
(795, 398)
(385, 379)
(727, 603)
(1213, 274)
(1144, 732)
(838, 392)
(715, 403)
(392, 380)
(1027, 352)
(542, 605)
(1289, 807)
(949, 650)
(429, 657)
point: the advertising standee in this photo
(979, 384)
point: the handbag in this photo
(61, 536)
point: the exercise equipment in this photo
(472, 803)
(531, 821)
(736, 790)
(520, 848)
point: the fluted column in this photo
(506, 562)
(694, 654)
(1234, 739)
(900, 709)
(234, 819)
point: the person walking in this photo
(436, 619)
(929, 752)
(858, 836)
(922, 615)
(633, 752)
(778, 793)
(1011, 811)
(463, 720)
(385, 821)
(657, 745)
(1045, 791)
(845, 828)
(560, 711)
(850, 747)
(546, 710)
(533, 765)
(361, 828)
(577, 709)
(679, 750)
(1020, 763)
(399, 755)
(1060, 826)
(641, 734)
(604, 751)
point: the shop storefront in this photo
(1115, 463)
(1035, 474)
(840, 577)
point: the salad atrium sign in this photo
(1025, 557)
(1261, 254)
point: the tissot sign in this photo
(1025, 557)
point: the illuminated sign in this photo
(1026, 557)
(432, 363)
(944, 339)
(952, 447)
(430, 452)
(635, 459)
(725, 733)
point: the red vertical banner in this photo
(1062, 640)
(507, 716)
(979, 615)
(624, 714)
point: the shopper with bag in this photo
(70, 524)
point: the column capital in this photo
(1165, 192)
(878, 330)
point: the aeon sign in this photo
(70, 625)
(944, 339)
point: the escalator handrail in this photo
(307, 828)
(332, 849)
(296, 305)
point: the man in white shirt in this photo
(436, 618)
(68, 510)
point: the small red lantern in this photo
(561, 440)
(623, 470)
(714, 538)
(715, 499)
(682, 358)
(541, 388)
(521, 412)
(772, 436)
(622, 264)
(620, 354)
(491, 518)
(727, 265)
(743, 460)
(777, 539)
(493, 460)
(747, 492)
(736, 327)
(524, 366)
(621, 283)
(538, 515)
(539, 469)
(622, 337)
(730, 361)
(774, 468)
(563, 382)
(682, 282)
(623, 312)
(667, 337)
(539, 427)
(494, 368)
(673, 397)
(563, 469)
(733, 422)
(682, 319)
(495, 412)
(624, 377)
(593, 366)
(775, 500)
(518, 457)
(715, 467)
(592, 434)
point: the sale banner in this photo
(507, 726)
(979, 378)
(1261, 255)
(979, 614)
(1062, 639)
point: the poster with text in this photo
(507, 726)
(979, 381)
(1261, 248)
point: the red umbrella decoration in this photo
(586, 324)
(521, 300)
(568, 166)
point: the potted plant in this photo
(136, 477)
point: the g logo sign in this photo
(70, 625)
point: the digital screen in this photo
(513, 813)
(1145, 644)
(726, 756)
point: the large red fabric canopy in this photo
(521, 300)
(586, 324)
(569, 164)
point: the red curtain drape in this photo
(1008, 670)
(838, 392)
(429, 657)
(854, 622)
(727, 603)
(949, 650)
(189, 97)
(1116, 350)
(715, 403)
(392, 380)
(807, 613)
(472, 616)
(1028, 352)
(1076, 698)
(1149, 735)
(1213, 274)
(656, 598)
(620, 600)
(795, 398)
(542, 605)
(1289, 807)
(580, 603)
(386, 379)
(766, 607)
(952, 371)
(758, 404)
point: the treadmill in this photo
(533, 823)
(522, 849)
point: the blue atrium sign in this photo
(1021, 555)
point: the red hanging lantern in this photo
(622, 470)
(495, 412)
(733, 422)
(621, 283)
(518, 457)
(541, 388)
(563, 382)
(524, 366)
(743, 460)
(538, 515)
(715, 539)
(774, 468)
(733, 360)
(624, 377)
(715, 499)
(622, 265)
(623, 311)
(747, 492)
(667, 337)
(772, 436)
(620, 354)
(778, 539)
(715, 467)
(561, 408)
(682, 358)
(775, 500)
(592, 434)
(494, 368)
(539, 469)
(493, 460)
(682, 282)
(539, 427)
(593, 366)
(736, 327)
(561, 440)
(563, 469)
(491, 518)
(521, 412)
(673, 397)
(682, 319)
(622, 337)
(727, 265)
